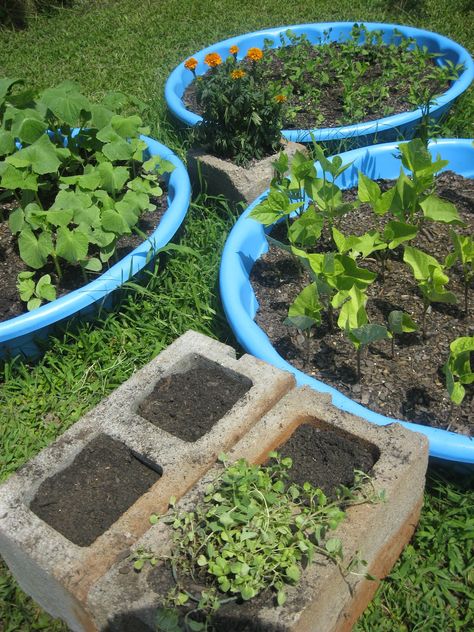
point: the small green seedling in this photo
(464, 253)
(35, 293)
(431, 279)
(400, 323)
(458, 369)
(304, 313)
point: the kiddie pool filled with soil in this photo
(19, 333)
(332, 362)
(337, 116)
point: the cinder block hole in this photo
(188, 403)
(324, 457)
(83, 500)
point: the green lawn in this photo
(132, 46)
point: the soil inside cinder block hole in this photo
(188, 404)
(325, 458)
(87, 497)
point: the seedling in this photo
(304, 313)
(458, 369)
(464, 253)
(431, 280)
(35, 293)
(399, 323)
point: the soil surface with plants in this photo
(74, 276)
(411, 384)
(188, 404)
(333, 84)
(84, 499)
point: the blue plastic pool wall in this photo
(247, 242)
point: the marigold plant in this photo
(238, 74)
(191, 64)
(255, 54)
(233, 50)
(280, 98)
(213, 60)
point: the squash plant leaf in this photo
(35, 250)
(439, 210)
(71, 245)
(41, 156)
(66, 103)
(28, 126)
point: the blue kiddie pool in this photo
(18, 336)
(247, 242)
(388, 128)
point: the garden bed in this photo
(409, 385)
(247, 243)
(385, 127)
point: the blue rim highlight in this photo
(247, 242)
(17, 334)
(387, 128)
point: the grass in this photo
(130, 46)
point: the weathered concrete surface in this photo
(325, 600)
(59, 574)
(237, 184)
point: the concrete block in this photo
(324, 600)
(237, 184)
(57, 573)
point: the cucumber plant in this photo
(464, 254)
(458, 369)
(78, 172)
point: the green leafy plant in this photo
(464, 254)
(305, 312)
(431, 280)
(458, 369)
(254, 530)
(78, 173)
(34, 293)
(400, 323)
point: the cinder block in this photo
(57, 573)
(324, 600)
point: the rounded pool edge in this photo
(246, 242)
(17, 335)
(393, 125)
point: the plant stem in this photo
(359, 353)
(57, 266)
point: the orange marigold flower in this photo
(233, 50)
(213, 59)
(280, 98)
(238, 74)
(255, 54)
(191, 64)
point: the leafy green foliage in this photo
(35, 293)
(79, 186)
(458, 369)
(254, 530)
(400, 323)
(464, 254)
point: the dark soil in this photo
(324, 458)
(329, 110)
(188, 404)
(84, 499)
(73, 277)
(410, 385)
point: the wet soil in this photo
(330, 109)
(188, 404)
(73, 276)
(86, 498)
(410, 385)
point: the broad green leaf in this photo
(368, 333)
(13, 178)
(100, 116)
(420, 262)
(126, 126)
(44, 289)
(26, 285)
(34, 250)
(305, 311)
(353, 274)
(293, 573)
(88, 181)
(71, 245)
(88, 216)
(16, 220)
(7, 143)
(129, 211)
(142, 185)
(400, 322)
(368, 190)
(366, 244)
(33, 303)
(306, 229)
(6, 84)
(439, 210)
(41, 156)
(395, 233)
(118, 150)
(113, 222)
(92, 265)
(59, 217)
(66, 103)
(352, 313)
(281, 597)
(28, 126)
(72, 200)
(113, 178)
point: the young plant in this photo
(254, 530)
(464, 254)
(458, 368)
(304, 313)
(399, 323)
(431, 280)
(35, 293)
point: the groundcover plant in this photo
(347, 274)
(73, 181)
(326, 84)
